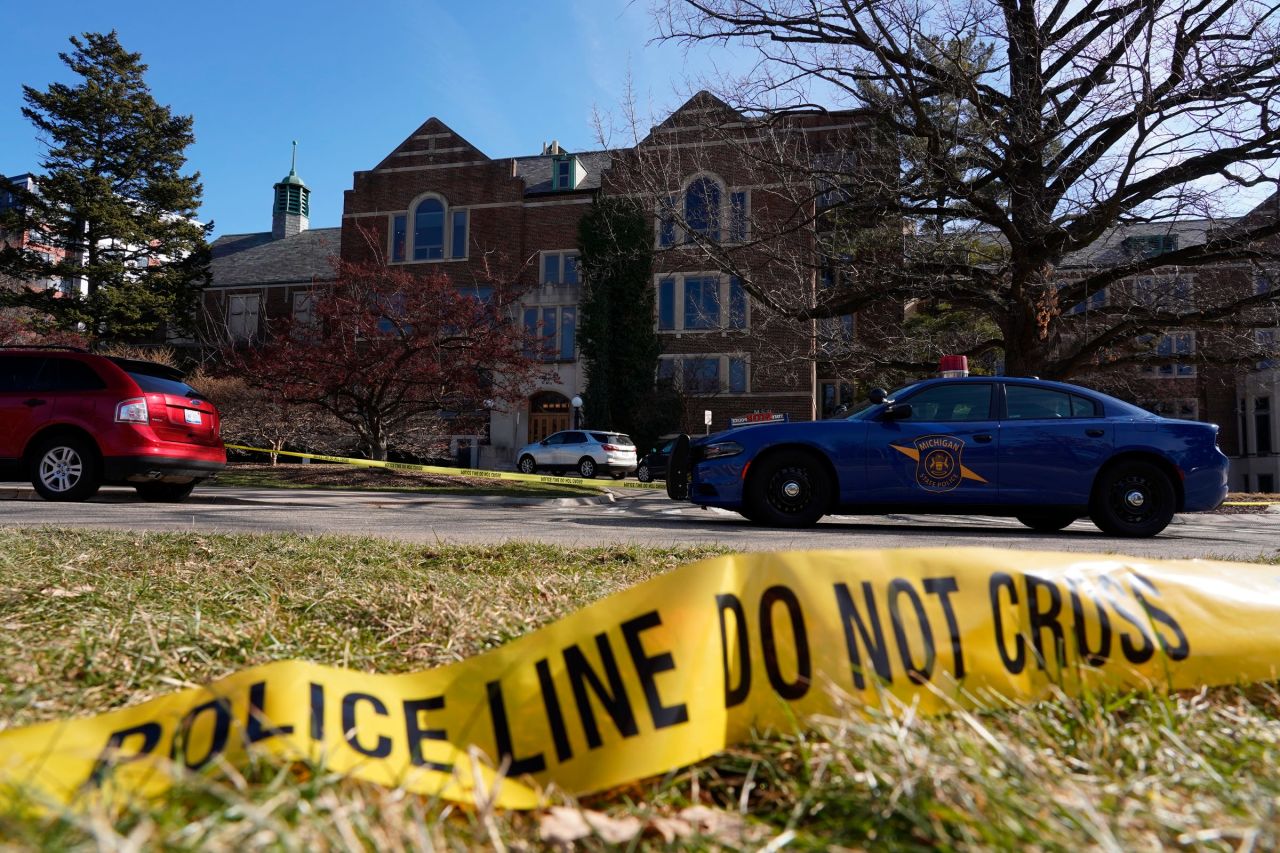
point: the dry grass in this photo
(339, 476)
(91, 620)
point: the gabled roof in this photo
(242, 260)
(701, 109)
(431, 144)
(1112, 249)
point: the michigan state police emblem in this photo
(938, 463)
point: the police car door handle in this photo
(983, 438)
(1094, 432)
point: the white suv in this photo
(588, 452)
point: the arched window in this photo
(428, 230)
(702, 208)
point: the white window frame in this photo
(243, 334)
(447, 248)
(677, 367)
(562, 254)
(679, 318)
(1175, 368)
(558, 355)
(680, 236)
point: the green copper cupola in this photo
(292, 210)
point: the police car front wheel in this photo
(789, 489)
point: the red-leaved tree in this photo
(394, 355)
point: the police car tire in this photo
(1113, 508)
(678, 464)
(1049, 523)
(769, 497)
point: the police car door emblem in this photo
(939, 467)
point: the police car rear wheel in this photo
(790, 489)
(1133, 499)
(1049, 523)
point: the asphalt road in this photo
(638, 518)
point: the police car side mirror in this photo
(897, 412)
(877, 395)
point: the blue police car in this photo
(1046, 453)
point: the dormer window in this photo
(1149, 245)
(566, 172)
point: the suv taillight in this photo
(613, 448)
(132, 411)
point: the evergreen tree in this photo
(113, 208)
(616, 332)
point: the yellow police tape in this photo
(676, 668)
(459, 472)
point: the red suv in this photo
(71, 421)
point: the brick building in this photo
(437, 202)
(268, 273)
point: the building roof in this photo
(241, 260)
(1112, 249)
(536, 170)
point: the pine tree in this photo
(112, 200)
(616, 331)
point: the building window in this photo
(702, 303)
(398, 237)
(1092, 302)
(702, 209)
(1168, 293)
(559, 267)
(1180, 348)
(1266, 340)
(242, 316)
(428, 230)
(705, 374)
(1149, 245)
(556, 327)
(695, 303)
(738, 216)
(458, 233)
(439, 233)
(1262, 425)
(667, 222)
(1184, 408)
(565, 172)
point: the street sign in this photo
(706, 417)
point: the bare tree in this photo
(1003, 162)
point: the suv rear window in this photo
(613, 438)
(161, 385)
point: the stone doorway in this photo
(548, 412)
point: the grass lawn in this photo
(91, 621)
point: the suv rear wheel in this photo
(65, 468)
(164, 492)
(527, 465)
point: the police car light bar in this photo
(953, 366)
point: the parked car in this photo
(589, 452)
(653, 465)
(71, 421)
(1046, 453)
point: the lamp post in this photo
(576, 402)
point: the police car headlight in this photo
(721, 449)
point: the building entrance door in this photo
(548, 412)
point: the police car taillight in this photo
(953, 366)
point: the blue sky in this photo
(350, 80)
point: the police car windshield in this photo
(866, 407)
